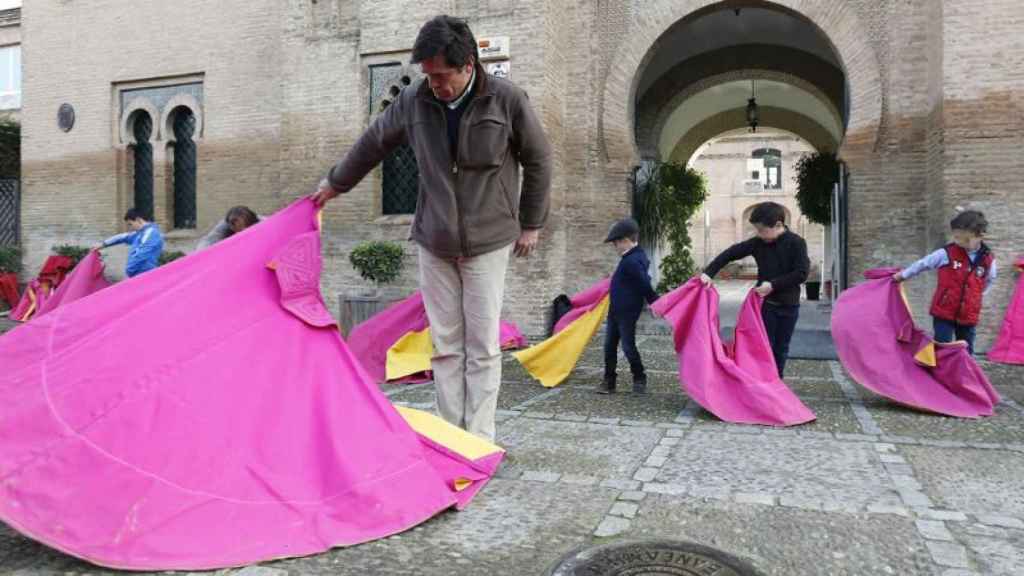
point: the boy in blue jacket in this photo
(146, 243)
(630, 288)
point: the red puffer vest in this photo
(961, 284)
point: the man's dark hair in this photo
(768, 214)
(133, 214)
(971, 221)
(448, 36)
(243, 212)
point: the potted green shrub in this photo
(381, 263)
(816, 175)
(171, 256)
(72, 251)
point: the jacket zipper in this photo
(963, 287)
(455, 177)
(463, 238)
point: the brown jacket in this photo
(469, 205)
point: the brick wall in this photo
(934, 118)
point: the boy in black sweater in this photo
(782, 265)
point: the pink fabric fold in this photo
(371, 339)
(583, 302)
(510, 336)
(85, 279)
(1009, 345)
(736, 381)
(39, 290)
(205, 415)
(879, 345)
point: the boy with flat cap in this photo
(630, 288)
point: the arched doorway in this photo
(697, 65)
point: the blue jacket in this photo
(631, 284)
(146, 245)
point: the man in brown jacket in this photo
(470, 134)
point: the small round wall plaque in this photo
(66, 117)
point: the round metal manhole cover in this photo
(651, 558)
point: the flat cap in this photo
(622, 228)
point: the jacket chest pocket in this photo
(486, 142)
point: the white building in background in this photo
(742, 170)
(10, 57)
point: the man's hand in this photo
(323, 193)
(705, 279)
(527, 242)
(764, 289)
(897, 277)
(97, 246)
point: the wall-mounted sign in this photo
(493, 48)
(65, 117)
(499, 69)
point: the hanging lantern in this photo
(752, 114)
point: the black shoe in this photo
(606, 387)
(640, 385)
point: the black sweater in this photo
(783, 262)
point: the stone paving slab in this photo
(815, 386)
(790, 542)
(1012, 391)
(832, 417)
(1005, 426)
(599, 450)
(624, 404)
(972, 481)
(995, 550)
(816, 473)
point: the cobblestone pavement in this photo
(869, 488)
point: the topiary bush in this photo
(816, 175)
(171, 256)
(379, 261)
(75, 252)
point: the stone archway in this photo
(647, 26)
(778, 118)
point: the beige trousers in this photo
(463, 301)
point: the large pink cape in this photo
(880, 347)
(1009, 346)
(207, 414)
(736, 381)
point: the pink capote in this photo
(371, 339)
(1009, 345)
(583, 302)
(84, 279)
(35, 293)
(737, 381)
(39, 290)
(207, 414)
(880, 347)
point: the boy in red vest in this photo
(967, 270)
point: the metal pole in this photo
(707, 234)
